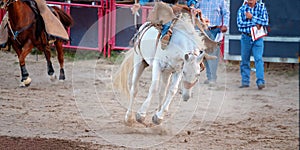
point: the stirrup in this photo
(51, 39)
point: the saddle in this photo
(40, 21)
(136, 39)
(33, 6)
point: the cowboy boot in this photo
(165, 40)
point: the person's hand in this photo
(135, 8)
(248, 15)
(206, 21)
(223, 29)
(195, 11)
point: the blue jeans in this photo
(257, 49)
(212, 65)
(165, 28)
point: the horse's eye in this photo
(201, 52)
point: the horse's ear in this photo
(200, 57)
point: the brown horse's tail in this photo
(64, 18)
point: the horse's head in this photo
(5, 3)
(2, 4)
(191, 71)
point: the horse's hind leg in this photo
(137, 72)
(60, 57)
(156, 72)
(47, 53)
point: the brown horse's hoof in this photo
(62, 75)
(53, 77)
(26, 82)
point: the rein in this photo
(16, 33)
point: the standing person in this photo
(216, 13)
(252, 14)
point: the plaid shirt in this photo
(260, 16)
(216, 11)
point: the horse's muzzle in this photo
(188, 85)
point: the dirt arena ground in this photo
(86, 112)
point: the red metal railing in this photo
(107, 21)
(145, 11)
(113, 22)
(101, 37)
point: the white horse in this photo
(180, 60)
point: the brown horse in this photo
(27, 30)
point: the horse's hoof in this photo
(156, 120)
(139, 118)
(129, 120)
(62, 74)
(22, 85)
(62, 78)
(53, 77)
(26, 83)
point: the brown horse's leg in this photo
(47, 53)
(24, 73)
(25, 81)
(60, 57)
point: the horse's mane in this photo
(184, 24)
(187, 24)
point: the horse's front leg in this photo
(47, 53)
(137, 72)
(26, 49)
(165, 82)
(158, 117)
(156, 72)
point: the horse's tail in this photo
(121, 77)
(65, 18)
